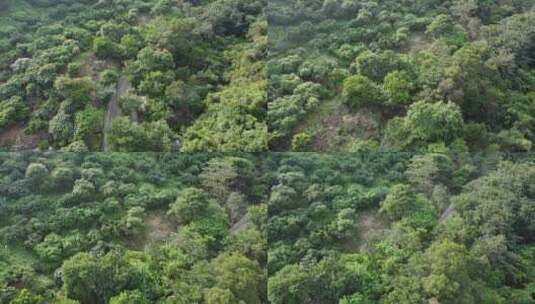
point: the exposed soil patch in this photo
(447, 213)
(113, 109)
(13, 138)
(340, 126)
(159, 227)
(240, 225)
(370, 228)
(416, 43)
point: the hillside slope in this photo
(61, 64)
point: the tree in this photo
(248, 286)
(441, 25)
(183, 97)
(89, 125)
(401, 201)
(220, 177)
(36, 173)
(359, 91)
(12, 110)
(131, 44)
(154, 83)
(423, 173)
(217, 295)
(83, 189)
(152, 59)
(78, 91)
(131, 102)
(62, 177)
(26, 297)
(191, 204)
(134, 219)
(125, 136)
(61, 127)
(449, 279)
(129, 297)
(301, 142)
(51, 249)
(105, 48)
(434, 122)
(93, 280)
(376, 66)
(398, 87)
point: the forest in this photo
(267, 151)
(132, 228)
(401, 228)
(133, 75)
(401, 75)
(341, 228)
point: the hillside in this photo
(401, 75)
(405, 228)
(131, 228)
(134, 75)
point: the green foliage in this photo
(129, 297)
(249, 286)
(334, 228)
(97, 231)
(302, 141)
(472, 53)
(183, 59)
(190, 205)
(377, 66)
(12, 110)
(89, 125)
(26, 297)
(77, 91)
(359, 91)
(426, 123)
(61, 127)
(435, 122)
(126, 136)
(397, 87)
(105, 48)
(86, 277)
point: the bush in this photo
(105, 48)
(301, 141)
(397, 87)
(359, 91)
(12, 110)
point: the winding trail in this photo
(447, 213)
(113, 109)
(240, 225)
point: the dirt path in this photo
(113, 109)
(447, 213)
(240, 225)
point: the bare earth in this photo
(113, 109)
(13, 138)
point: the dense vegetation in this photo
(131, 228)
(401, 229)
(396, 75)
(267, 228)
(431, 102)
(133, 75)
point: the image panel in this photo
(401, 228)
(132, 228)
(385, 76)
(133, 76)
